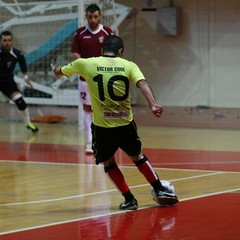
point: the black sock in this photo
(128, 196)
(158, 186)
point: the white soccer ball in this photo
(168, 186)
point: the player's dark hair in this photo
(112, 44)
(5, 33)
(93, 8)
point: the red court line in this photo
(164, 158)
(214, 217)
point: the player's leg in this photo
(104, 146)
(11, 90)
(87, 114)
(87, 121)
(132, 146)
(24, 110)
(162, 196)
(115, 174)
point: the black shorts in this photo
(8, 87)
(106, 141)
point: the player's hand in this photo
(157, 110)
(53, 66)
(28, 82)
(56, 70)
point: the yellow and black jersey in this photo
(108, 79)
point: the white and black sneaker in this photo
(164, 198)
(129, 205)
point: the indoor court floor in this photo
(51, 190)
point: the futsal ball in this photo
(167, 185)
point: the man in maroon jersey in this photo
(88, 42)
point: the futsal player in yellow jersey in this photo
(108, 78)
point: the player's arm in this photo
(148, 94)
(27, 80)
(23, 66)
(76, 67)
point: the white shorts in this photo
(83, 93)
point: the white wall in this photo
(199, 67)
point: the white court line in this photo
(101, 192)
(46, 163)
(197, 163)
(107, 191)
(121, 166)
(109, 214)
(125, 166)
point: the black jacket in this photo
(8, 61)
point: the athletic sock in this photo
(128, 196)
(148, 172)
(87, 121)
(117, 178)
(26, 116)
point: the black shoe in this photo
(129, 205)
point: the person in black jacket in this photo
(9, 57)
